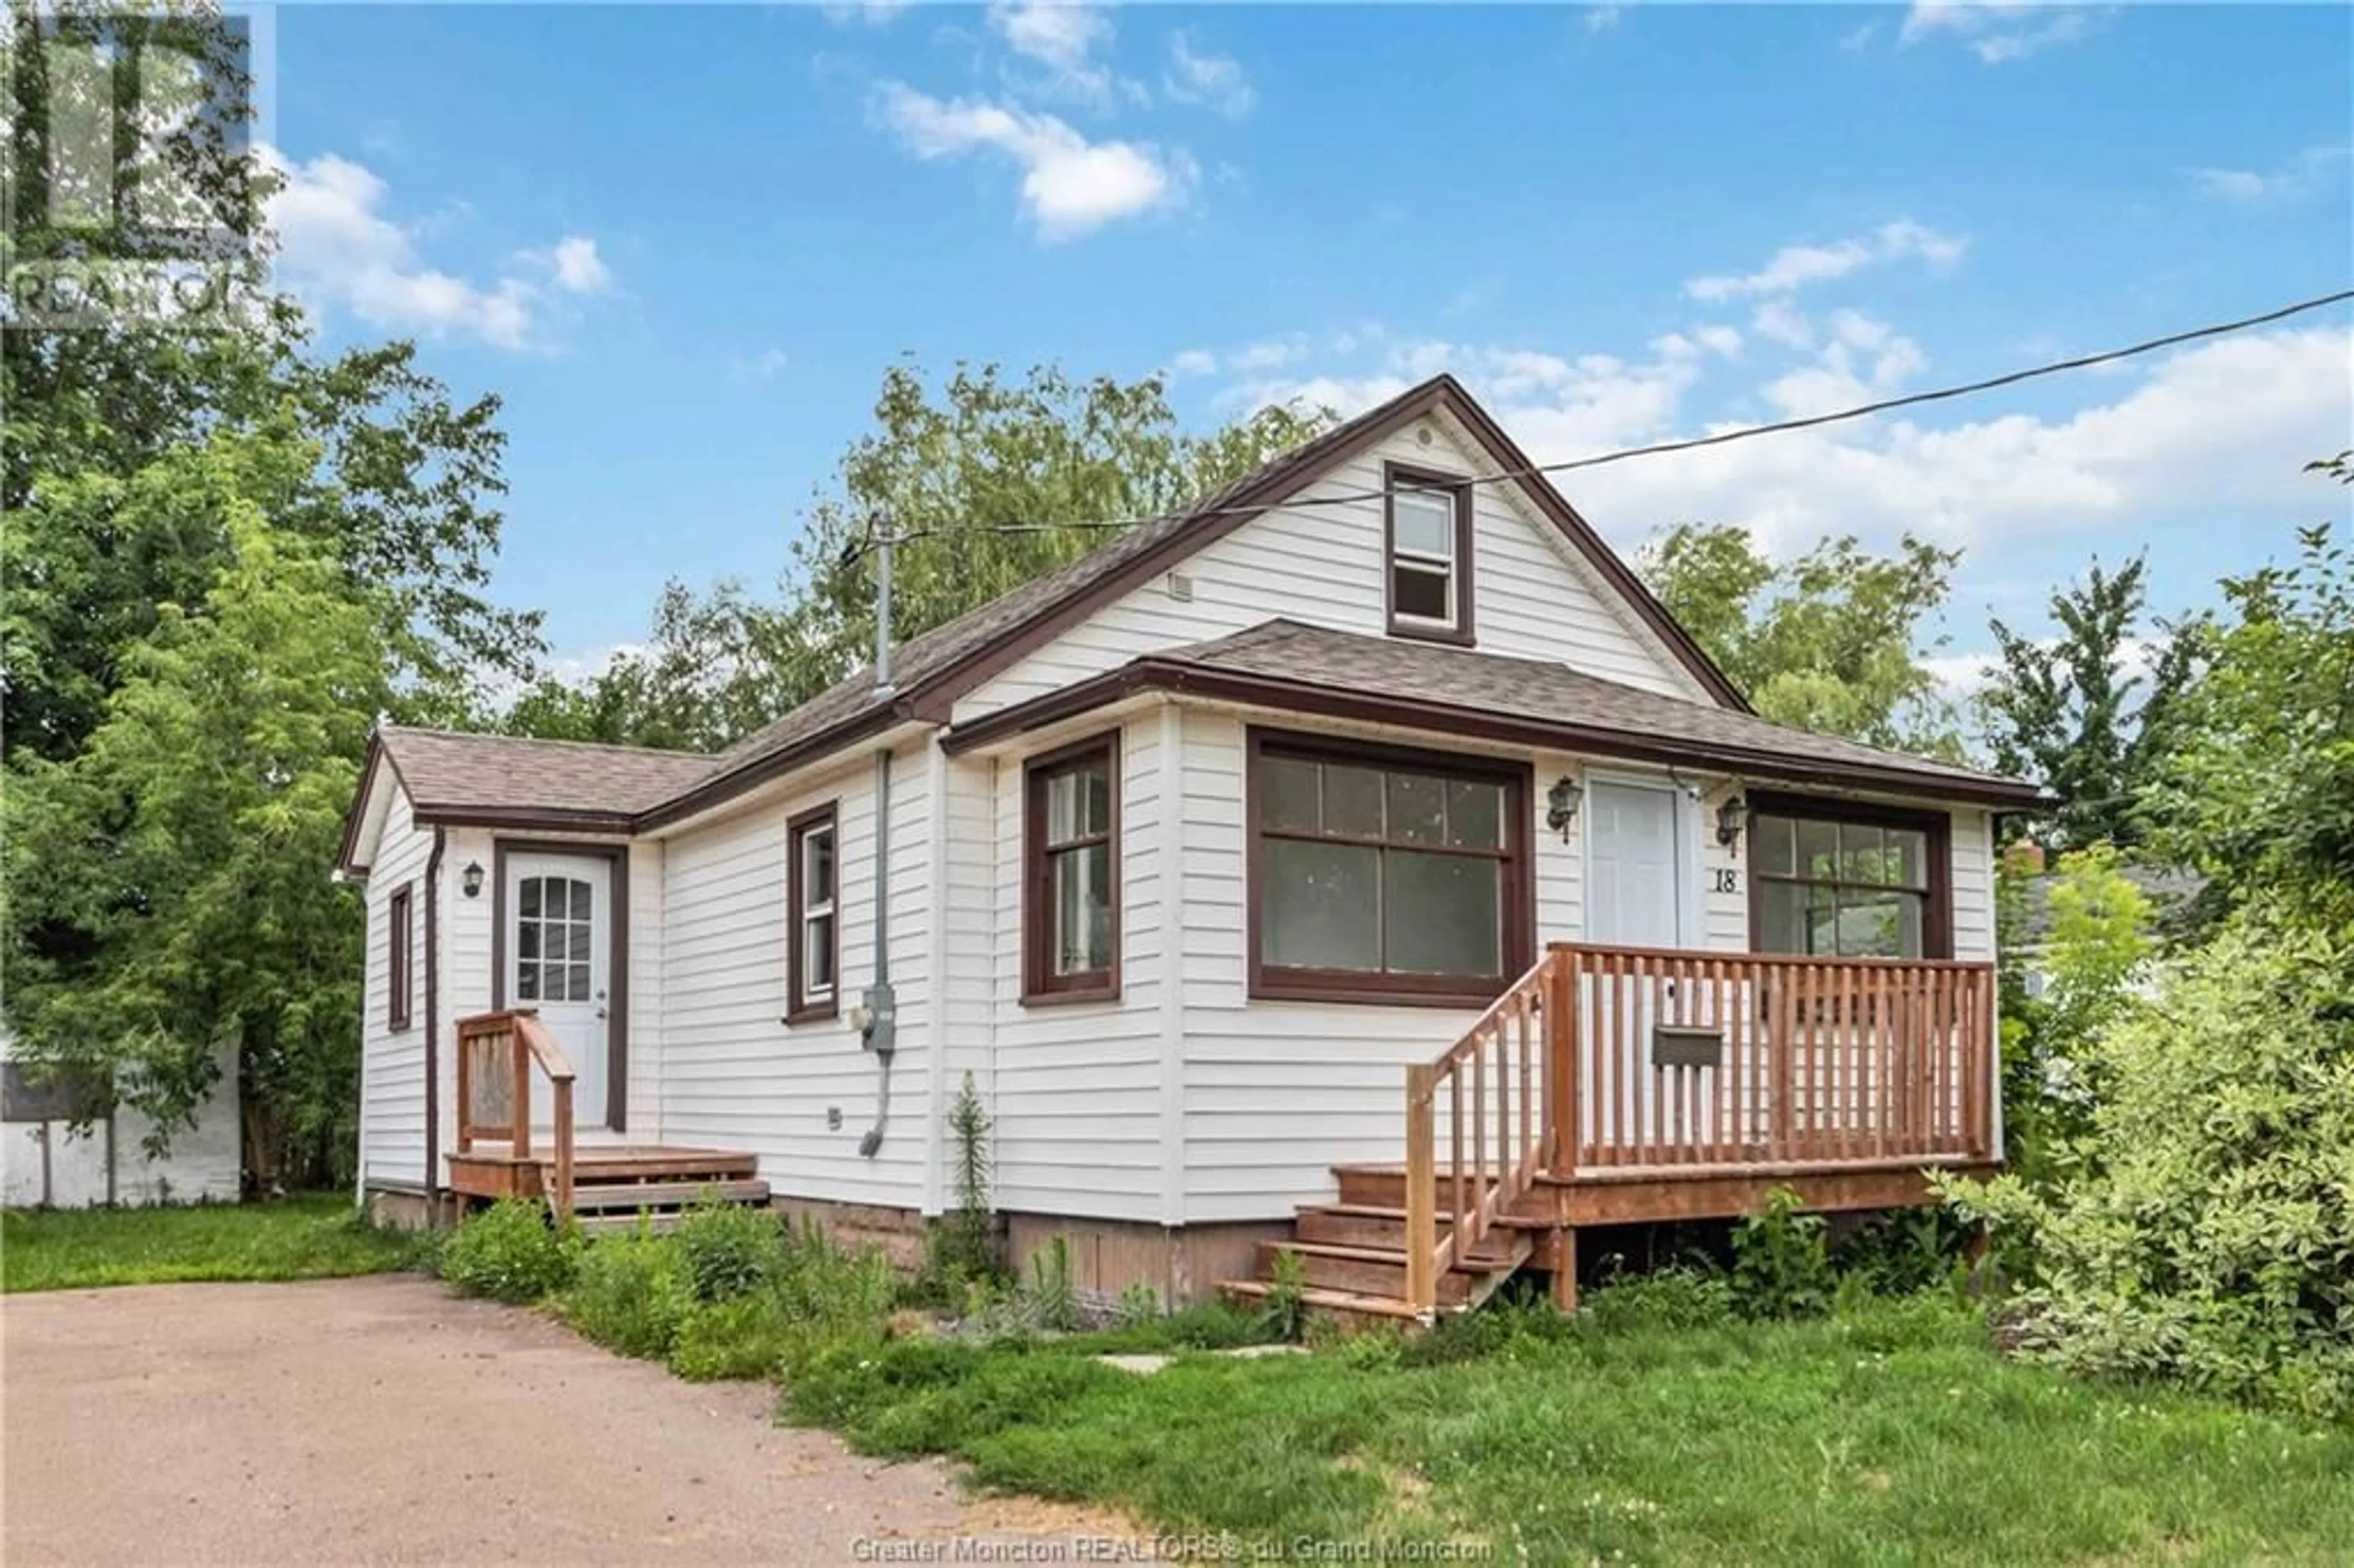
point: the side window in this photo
(812, 916)
(402, 957)
(1071, 915)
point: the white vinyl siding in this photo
(1078, 1084)
(1535, 596)
(734, 1074)
(392, 1062)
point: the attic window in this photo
(1428, 536)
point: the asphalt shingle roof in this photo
(446, 770)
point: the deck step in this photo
(1341, 1304)
(1359, 1271)
(602, 1167)
(1382, 1229)
(630, 1197)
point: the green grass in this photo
(311, 1237)
(1889, 1435)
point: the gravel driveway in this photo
(381, 1421)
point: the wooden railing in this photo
(1605, 1063)
(497, 1053)
(1497, 1127)
(1760, 1062)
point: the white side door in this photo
(559, 946)
(1634, 899)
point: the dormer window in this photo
(1429, 555)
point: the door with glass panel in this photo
(558, 913)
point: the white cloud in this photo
(1604, 18)
(1193, 362)
(1778, 321)
(1214, 79)
(339, 250)
(1795, 266)
(2299, 178)
(765, 366)
(1999, 31)
(1070, 186)
(1065, 38)
(2221, 430)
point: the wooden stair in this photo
(1352, 1255)
(620, 1188)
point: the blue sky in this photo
(682, 242)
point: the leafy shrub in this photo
(828, 1296)
(2214, 1239)
(730, 1250)
(746, 1336)
(1285, 1314)
(1678, 1297)
(1139, 1305)
(1781, 1260)
(508, 1252)
(631, 1293)
(1900, 1253)
(1050, 1300)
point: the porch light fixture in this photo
(1729, 819)
(1561, 805)
(471, 879)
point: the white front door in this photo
(1634, 894)
(559, 949)
(1634, 899)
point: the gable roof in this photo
(1346, 674)
(931, 671)
(489, 775)
(455, 777)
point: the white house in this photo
(1273, 850)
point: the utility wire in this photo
(1722, 437)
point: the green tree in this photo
(1832, 642)
(2069, 711)
(416, 472)
(168, 904)
(992, 482)
(2257, 790)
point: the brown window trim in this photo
(798, 1007)
(1041, 987)
(1935, 827)
(400, 957)
(1461, 634)
(1272, 983)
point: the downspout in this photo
(433, 1025)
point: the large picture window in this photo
(1380, 875)
(1428, 529)
(813, 916)
(1839, 880)
(1071, 918)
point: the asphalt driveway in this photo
(381, 1421)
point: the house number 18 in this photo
(1724, 880)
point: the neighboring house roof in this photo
(2166, 889)
(1344, 674)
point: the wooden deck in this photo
(503, 1153)
(1616, 1085)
